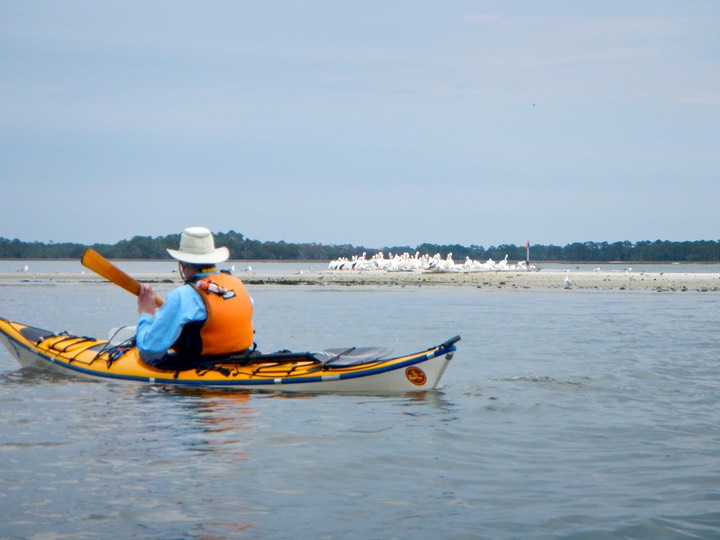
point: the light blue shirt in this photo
(157, 333)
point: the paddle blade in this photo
(97, 263)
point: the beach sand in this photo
(543, 279)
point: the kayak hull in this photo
(89, 358)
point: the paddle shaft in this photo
(97, 263)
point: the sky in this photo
(374, 123)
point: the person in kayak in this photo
(209, 316)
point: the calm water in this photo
(565, 414)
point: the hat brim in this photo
(219, 255)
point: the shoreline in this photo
(543, 279)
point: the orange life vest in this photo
(228, 328)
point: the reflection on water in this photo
(211, 420)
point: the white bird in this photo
(568, 282)
(24, 268)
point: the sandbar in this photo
(537, 279)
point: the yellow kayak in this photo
(354, 369)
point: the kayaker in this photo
(210, 315)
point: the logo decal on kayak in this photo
(416, 375)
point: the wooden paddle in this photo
(97, 263)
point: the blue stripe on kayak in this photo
(255, 382)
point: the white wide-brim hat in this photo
(197, 246)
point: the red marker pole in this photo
(527, 254)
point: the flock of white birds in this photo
(422, 263)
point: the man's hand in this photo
(146, 299)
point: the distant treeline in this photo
(146, 247)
